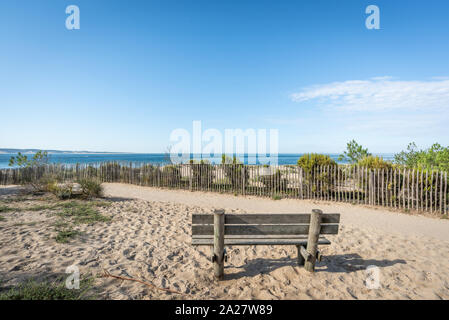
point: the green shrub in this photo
(203, 173)
(150, 174)
(354, 152)
(372, 162)
(235, 171)
(316, 181)
(48, 181)
(40, 158)
(91, 188)
(171, 176)
(62, 191)
(434, 158)
(39, 180)
(227, 160)
(311, 160)
(32, 169)
(380, 177)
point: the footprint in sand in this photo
(129, 253)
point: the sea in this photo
(160, 158)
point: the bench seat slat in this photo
(277, 218)
(287, 229)
(255, 236)
(249, 242)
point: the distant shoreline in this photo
(161, 158)
(1, 152)
(32, 151)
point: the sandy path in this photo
(150, 239)
(351, 215)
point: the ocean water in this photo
(157, 158)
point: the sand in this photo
(149, 238)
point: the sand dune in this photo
(149, 238)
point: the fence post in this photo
(218, 258)
(190, 177)
(243, 179)
(446, 205)
(312, 241)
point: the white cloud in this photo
(379, 94)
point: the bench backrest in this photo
(296, 224)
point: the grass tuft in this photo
(32, 290)
(82, 213)
(5, 209)
(40, 208)
(54, 206)
(65, 232)
(64, 236)
(276, 197)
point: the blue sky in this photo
(136, 70)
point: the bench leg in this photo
(319, 256)
(301, 259)
(219, 252)
(312, 242)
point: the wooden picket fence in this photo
(406, 189)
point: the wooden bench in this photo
(302, 230)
